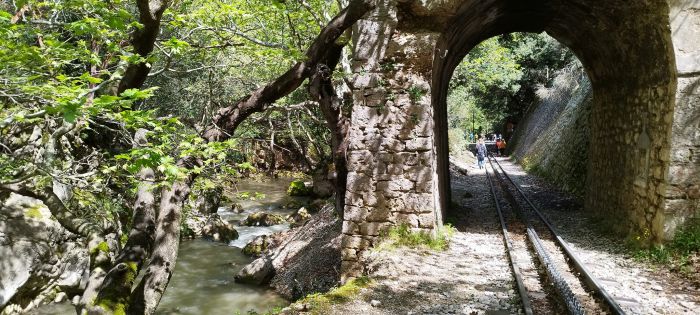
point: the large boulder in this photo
(263, 219)
(304, 261)
(258, 272)
(208, 226)
(39, 259)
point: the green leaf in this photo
(71, 111)
(87, 77)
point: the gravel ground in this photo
(640, 288)
(473, 275)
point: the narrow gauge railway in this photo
(549, 277)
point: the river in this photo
(203, 279)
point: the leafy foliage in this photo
(63, 124)
(298, 188)
(497, 80)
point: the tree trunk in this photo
(145, 298)
(143, 41)
(107, 289)
(322, 90)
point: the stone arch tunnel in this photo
(643, 60)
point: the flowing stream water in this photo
(203, 279)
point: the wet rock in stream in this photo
(257, 246)
(263, 219)
(219, 230)
(302, 260)
(210, 227)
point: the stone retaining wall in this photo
(552, 139)
(683, 191)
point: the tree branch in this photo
(143, 41)
(227, 119)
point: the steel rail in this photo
(588, 277)
(524, 297)
(571, 301)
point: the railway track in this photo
(549, 277)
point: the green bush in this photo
(687, 240)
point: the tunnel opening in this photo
(634, 85)
(528, 97)
(508, 79)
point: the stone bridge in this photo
(643, 60)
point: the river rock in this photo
(219, 230)
(306, 260)
(299, 188)
(39, 257)
(263, 219)
(257, 246)
(257, 272)
(237, 208)
(299, 217)
(208, 226)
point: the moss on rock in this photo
(298, 188)
(34, 212)
(257, 246)
(263, 219)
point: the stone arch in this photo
(403, 57)
(628, 56)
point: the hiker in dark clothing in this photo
(481, 152)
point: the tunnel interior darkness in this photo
(627, 53)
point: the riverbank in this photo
(203, 280)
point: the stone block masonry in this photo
(641, 176)
(390, 154)
(682, 197)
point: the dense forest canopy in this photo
(497, 81)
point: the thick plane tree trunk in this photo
(146, 297)
(110, 289)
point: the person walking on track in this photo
(481, 153)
